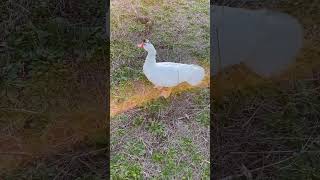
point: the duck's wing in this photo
(172, 64)
(168, 63)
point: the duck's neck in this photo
(151, 57)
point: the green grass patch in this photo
(158, 157)
(189, 148)
(125, 75)
(123, 50)
(135, 147)
(171, 167)
(204, 117)
(156, 106)
(121, 117)
(121, 168)
(156, 128)
(138, 121)
(203, 97)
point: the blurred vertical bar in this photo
(108, 86)
(265, 61)
(54, 96)
(212, 118)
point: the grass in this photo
(123, 169)
(166, 34)
(156, 106)
(156, 128)
(162, 138)
(135, 148)
(278, 126)
(168, 160)
(159, 143)
(204, 117)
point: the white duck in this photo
(169, 74)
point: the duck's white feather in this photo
(169, 74)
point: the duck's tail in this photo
(197, 75)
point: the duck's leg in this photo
(166, 93)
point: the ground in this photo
(153, 137)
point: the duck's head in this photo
(145, 44)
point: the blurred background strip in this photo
(53, 90)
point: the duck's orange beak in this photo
(140, 45)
